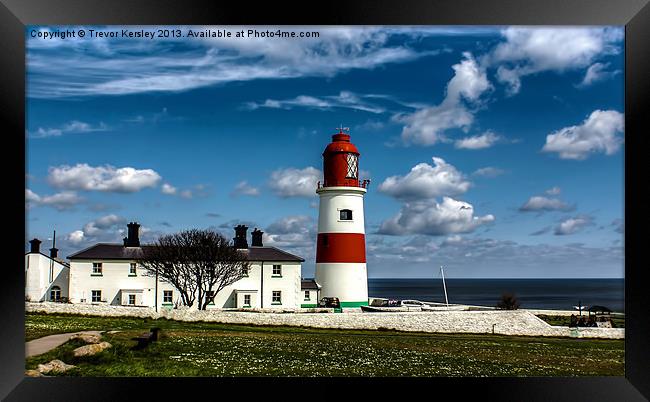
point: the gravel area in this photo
(517, 322)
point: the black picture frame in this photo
(633, 14)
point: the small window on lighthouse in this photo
(353, 166)
(346, 215)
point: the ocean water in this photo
(554, 294)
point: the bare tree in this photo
(199, 263)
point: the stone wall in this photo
(517, 322)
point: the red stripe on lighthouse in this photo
(341, 247)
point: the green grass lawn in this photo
(210, 349)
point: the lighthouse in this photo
(341, 243)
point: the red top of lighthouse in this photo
(341, 162)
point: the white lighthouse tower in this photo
(341, 244)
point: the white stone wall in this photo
(116, 283)
(502, 322)
(37, 277)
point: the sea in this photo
(552, 294)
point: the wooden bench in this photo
(145, 339)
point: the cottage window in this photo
(96, 296)
(132, 300)
(132, 269)
(277, 270)
(247, 300)
(97, 268)
(55, 293)
(346, 215)
(209, 295)
(277, 297)
(307, 295)
(167, 296)
(245, 271)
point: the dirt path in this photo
(47, 343)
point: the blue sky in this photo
(494, 151)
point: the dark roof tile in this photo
(105, 251)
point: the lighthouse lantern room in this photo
(341, 244)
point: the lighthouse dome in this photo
(341, 162)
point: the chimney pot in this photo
(54, 252)
(257, 238)
(133, 238)
(240, 236)
(35, 246)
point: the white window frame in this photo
(133, 269)
(210, 293)
(247, 304)
(279, 270)
(167, 293)
(346, 220)
(276, 297)
(307, 295)
(92, 296)
(129, 299)
(53, 291)
(98, 268)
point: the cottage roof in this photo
(57, 260)
(111, 251)
(307, 284)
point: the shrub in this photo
(508, 302)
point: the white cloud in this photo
(118, 67)
(296, 234)
(597, 133)
(60, 201)
(75, 237)
(427, 125)
(98, 227)
(168, 189)
(74, 126)
(539, 203)
(102, 178)
(553, 191)
(426, 181)
(573, 225)
(243, 188)
(485, 140)
(432, 218)
(293, 182)
(595, 73)
(488, 171)
(532, 50)
(345, 100)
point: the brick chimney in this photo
(257, 238)
(133, 236)
(240, 236)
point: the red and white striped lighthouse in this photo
(341, 244)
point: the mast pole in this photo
(442, 272)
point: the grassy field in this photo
(210, 349)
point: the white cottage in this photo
(46, 277)
(110, 274)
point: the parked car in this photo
(329, 302)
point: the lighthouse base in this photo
(347, 281)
